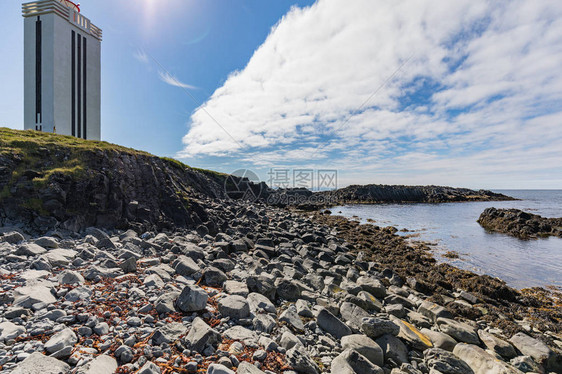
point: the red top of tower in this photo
(70, 4)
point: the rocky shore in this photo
(274, 292)
(520, 224)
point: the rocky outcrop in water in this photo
(520, 224)
(377, 193)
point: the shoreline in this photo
(540, 305)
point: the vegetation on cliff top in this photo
(31, 147)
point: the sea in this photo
(453, 227)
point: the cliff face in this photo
(49, 181)
(375, 193)
(520, 224)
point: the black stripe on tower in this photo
(38, 52)
(79, 86)
(85, 106)
(73, 79)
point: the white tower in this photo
(62, 80)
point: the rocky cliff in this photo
(49, 181)
(520, 224)
(377, 193)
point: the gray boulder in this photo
(372, 286)
(30, 249)
(481, 362)
(460, 331)
(259, 302)
(62, 339)
(219, 369)
(497, 345)
(332, 324)
(149, 368)
(291, 317)
(214, 277)
(299, 360)
(375, 327)
(535, 348)
(353, 315)
(69, 277)
(365, 346)
(9, 331)
(445, 362)
(168, 333)
(201, 335)
(352, 362)
(288, 289)
(234, 307)
(192, 299)
(186, 266)
(393, 348)
(37, 363)
(103, 364)
(247, 368)
(439, 339)
(27, 296)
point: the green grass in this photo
(29, 140)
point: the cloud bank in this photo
(478, 97)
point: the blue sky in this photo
(468, 93)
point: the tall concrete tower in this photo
(62, 80)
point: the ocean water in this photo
(453, 227)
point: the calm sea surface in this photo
(453, 227)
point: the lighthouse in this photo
(62, 70)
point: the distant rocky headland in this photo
(117, 261)
(376, 193)
(520, 224)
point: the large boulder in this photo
(332, 324)
(372, 285)
(460, 331)
(234, 306)
(247, 368)
(352, 362)
(27, 296)
(393, 348)
(539, 351)
(353, 314)
(445, 362)
(375, 327)
(481, 362)
(192, 299)
(301, 362)
(168, 333)
(62, 339)
(38, 363)
(30, 249)
(365, 346)
(9, 331)
(201, 335)
(497, 345)
(415, 338)
(102, 364)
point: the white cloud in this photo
(173, 81)
(141, 56)
(482, 91)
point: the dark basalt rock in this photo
(520, 224)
